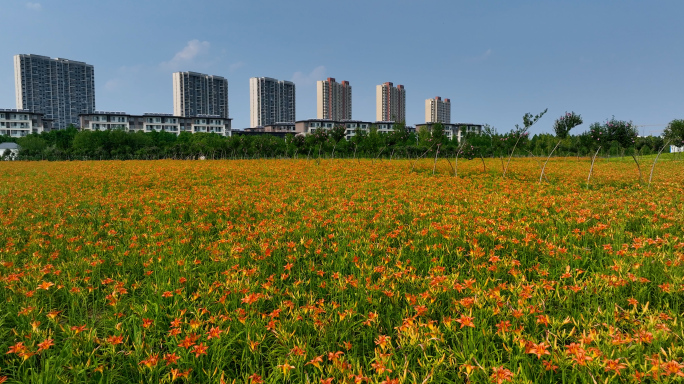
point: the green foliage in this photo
(614, 136)
(565, 123)
(338, 132)
(675, 132)
(438, 134)
(529, 120)
(32, 144)
(614, 133)
(400, 135)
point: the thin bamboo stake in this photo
(376, 157)
(654, 163)
(535, 159)
(592, 165)
(459, 150)
(421, 156)
(434, 165)
(511, 156)
(547, 160)
(449, 161)
(638, 167)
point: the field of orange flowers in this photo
(340, 271)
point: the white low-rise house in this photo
(9, 150)
(21, 122)
(675, 149)
(310, 126)
(452, 130)
(352, 127)
(385, 126)
(151, 122)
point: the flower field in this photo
(340, 271)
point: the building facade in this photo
(352, 127)
(21, 122)
(199, 94)
(60, 89)
(438, 110)
(455, 130)
(334, 100)
(155, 122)
(271, 101)
(390, 102)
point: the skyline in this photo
(494, 61)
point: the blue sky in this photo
(495, 60)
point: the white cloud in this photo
(112, 85)
(193, 50)
(300, 78)
(236, 66)
(480, 58)
(34, 6)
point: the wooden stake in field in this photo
(638, 167)
(434, 165)
(547, 160)
(376, 157)
(654, 163)
(420, 157)
(458, 152)
(592, 165)
(528, 121)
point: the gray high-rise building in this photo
(60, 89)
(271, 101)
(197, 94)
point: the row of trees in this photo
(614, 137)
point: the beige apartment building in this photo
(390, 102)
(438, 111)
(334, 100)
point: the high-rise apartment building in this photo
(438, 111)
(271, 101)
(390, 102)
(334, 100)
(199, 94)
(60, 89)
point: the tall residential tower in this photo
(199, 94)
(60, 89)
(271, 101)
(390, 102)
(334, 100)
(438, 111)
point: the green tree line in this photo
(614, 137)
